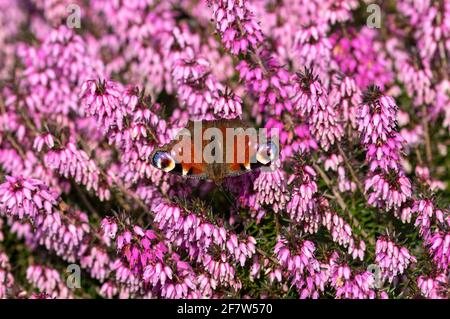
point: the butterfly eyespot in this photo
(245, 166)
(266, 153)
(186, 171)
(164, 161)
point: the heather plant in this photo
(355, 206)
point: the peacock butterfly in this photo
(216, 149)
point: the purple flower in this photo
(350, 285)
(25, 197)
(301, 268)
(377, 117)
(6, 277)
(439, 247)
(434, 287)
(47, 280)
(102, 99)
(392, 259)
(311, 100)
(228, 105)
(236, 25)
(271, 190)
(302, 206)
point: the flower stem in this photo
(342, 204)
(428, 152)
(352, 171)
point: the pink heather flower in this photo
(47, 280)
(405, 214)
(309, 93)
(275, 275)
(268, 82)
(413, 9)
(340, 10)
(434, 287)
(417, 83)
(157, 273)
(108, 290)
(443, 100)
(423, 173)
(199, 235)
(6, 277)
(102, 99)
(64, 234)
(427, 213)
(186, 284)
(198, 88)
(141, 53)
(270, 188)
(139, 248)
(345, 184)
(54, 10)
(311, 99)
(439, 246)
(390, 191)
(188, 67)
(360, 55)
(341, 232)
(97, 262)
(377, 117)
(109, 228)
(255, 270)
(332, 162)
(198, 96)
(45, 139)
(313, 48)
(127, 284)
(302, 207)
(377, 124)
(301, 268)
(11, 18)
(294, 137)
(221, 270)
(347, 96)
(236, 25)
(432, 29)
(325, 127)
(55, 70)
(385, 155)
(350, 285)
(392, 259)
(69, 161)
(25, 197)
(228, 105)
(412, 138)
(141, 131)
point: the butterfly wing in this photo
(240, 143)
(214, 150)
(181, 156)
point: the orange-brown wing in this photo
(181, 156)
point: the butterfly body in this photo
(214, 150)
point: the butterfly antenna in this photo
(226, 194)
(212, 197)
